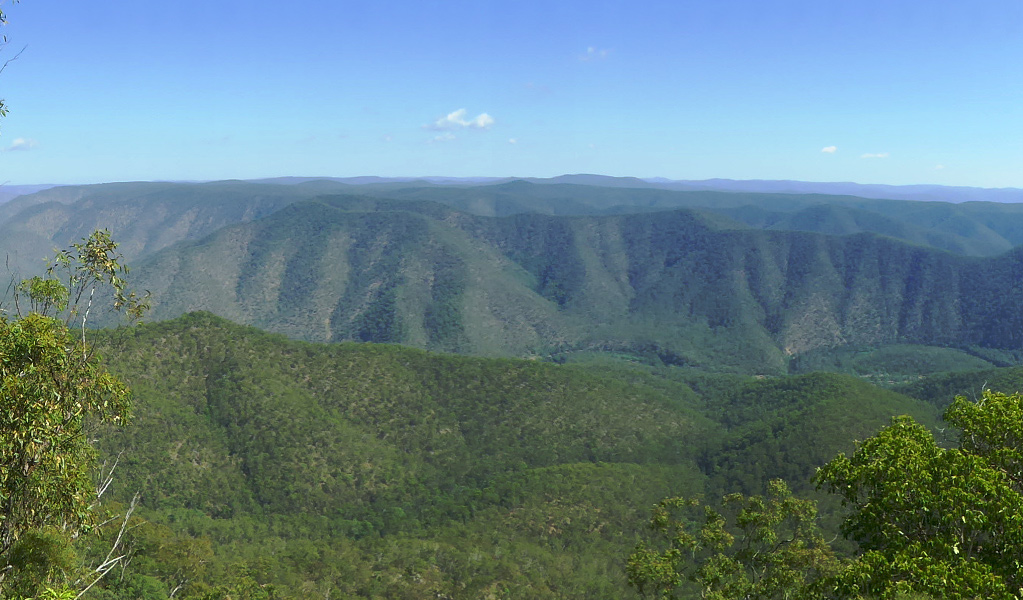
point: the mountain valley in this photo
(466, 389)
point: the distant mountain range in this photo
(678, 283)
(734, 280)
(9, 192)
(935, 193)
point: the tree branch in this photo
(111, 561)
(11, 59)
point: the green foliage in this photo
(362, 467)
(759, 548)
(58, 593)
(52, 386)
(941, 390)
(74, 277)
(353, 421)
(49, 384)
(787, 427)
(3, 22)
(45, 295)
(930, 522)
(369, 470)
(85, 266)
(943, 522)
(40, 560)
(889, 365)
(3, 18)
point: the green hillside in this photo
(143, 217)
(941, 389)
(895, 364)
(148, 216)
(728, 281)
(376, 408)
(376, 471)
(789, 426)
(392, 461)
(680, 285)
(970, 228)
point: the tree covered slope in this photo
(143, 217)
(682, 284)
(376, 471)
(147, 216)
(743, 281)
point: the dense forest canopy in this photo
(382, 471)
(373, 470)
(753, 283)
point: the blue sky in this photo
(890, 91)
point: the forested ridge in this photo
(382, 471)
(670, 353)
(748, 282)
(680, 284)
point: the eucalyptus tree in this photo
(52, 385)
(944, 522)
(752, 547)
(3, 44)
(930, 522)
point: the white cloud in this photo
(878, 155)
(829, 149)
(939, 167)
(22, 145)
(482, 121)
(444, 137)
(453, 120)
(593, 53)
(513, 141)
(457, 120)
